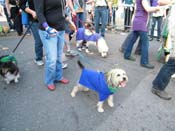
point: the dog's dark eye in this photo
(118, 74)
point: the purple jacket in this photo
(82, 36)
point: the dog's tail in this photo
(80, 64)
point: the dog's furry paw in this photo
(72, 94)
(111, 104)
(16, 80)
(100, 110)
(7, 82)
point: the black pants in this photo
(16, 16)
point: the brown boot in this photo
(162, 94)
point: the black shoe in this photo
(137, 53)
(162, 94)
(147, 66)
(150, 39)
(159, 40)
(121, 49)
(131, 58)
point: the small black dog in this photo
(9, 69)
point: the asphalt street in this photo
(30, 106)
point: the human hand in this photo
(51, 31)
(34, 15)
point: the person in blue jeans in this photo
(157, 17)
(28, 7)
(162, 79)
(164, 75)
(100, 15)
(139, 29)
(51, 16)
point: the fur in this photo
(116, 78)
(9, 71)
(83, 41)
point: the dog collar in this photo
(113, 89)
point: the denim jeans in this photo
(144, 45)
(163, 77)
(159, 25)
(54, 49)
(100, 18)
(126, 42)
(80, 19)
(38, 42)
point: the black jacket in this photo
(52, 12)
(23, 5)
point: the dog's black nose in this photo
(124, 78)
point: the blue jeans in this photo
(38, 42)
(100, 18)
(144, 45)
(80, 19)
(126, 42)
(163, 77)
(159, 25)
(54, 49)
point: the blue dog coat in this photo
(82, 36)
(95, 81)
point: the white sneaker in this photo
(64, 65)
(39, 62)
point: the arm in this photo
(110, 6)
(164, 2)
(27, 9)
(7, 4)
(70, 4)
(148, 8)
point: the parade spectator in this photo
(79, 7)
(139, 28)
(9, 21)
(128, 10)
(163, 77)
(157, 17)
(28, 7)
(51, 16)
(100, 14)
(14, 13)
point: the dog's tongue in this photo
(122, 84)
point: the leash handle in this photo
(22, 37)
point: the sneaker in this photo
(12, 30)
(64, 65)
(51, 87)
(162, 94)
(71, 53)
(149, 66)
(39, 62)
(131, 58)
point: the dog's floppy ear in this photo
(109, 77)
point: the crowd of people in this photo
(48, 17)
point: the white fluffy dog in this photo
(105, 84)
(86, 37)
